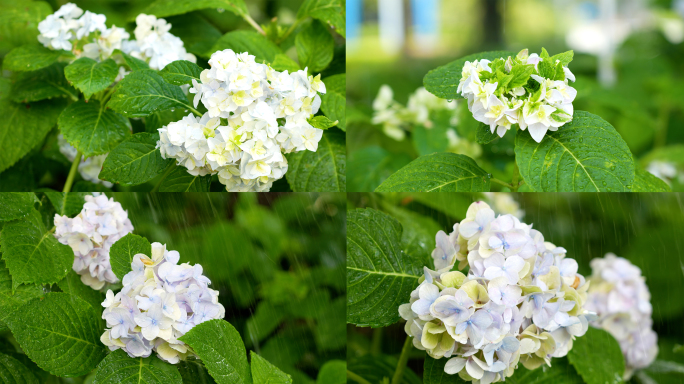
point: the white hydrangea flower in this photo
(504, 203)
(86, 35)
(255, 114)
(160, 301)
(546, 109)
(621, 299)
(665, 171)
(155, 44)
(90, 235)
(89, 168)
(521, 301)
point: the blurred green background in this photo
(629, 64)
(644, 228)
(277, 260)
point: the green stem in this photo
(403, 358)
(166, 173)
(254, 24)
(505, 184)
(72, 172)
(663, 122)
(357, 378)
(376, 342)
(196, 112)
(289, 31)
(516, 176)
(106, 94)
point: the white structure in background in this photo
(601, 26)
(391, 23)
(425, 15)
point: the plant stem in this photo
(663, 122)
(403, 358)
(354, 376)
(254, 24)
(516, 176)
(376, 342)
(505, 184)
(289, 31)
(72, 172)
(166, 173)
(106, 95)
(196, 112)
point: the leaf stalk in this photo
(72, 172)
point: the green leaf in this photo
(19, 23)
(45, 83)
(320, 171)
(122, 252)
(418, 236)
(30, 58)
(433, 372)
(69, 204)
(375, 368)
(135, 161)
(671, 154)
(93, 129)
(597, 357)
(73, 285)
(333, 103)
(560, 372)
(644, 181)
(220, 347)
(15, 205)
(32, 254)
(263, 322)
(12, 371)
(370, 166)
(24, 126)
(331, 333)
(380, 277)
(198, 34)
(60, 333)
(327, 11)
(565, 58)
(164, 8)
(443, 81)
(443, 172)
(143, 92)
(322, 122)
(585, 155)
(118, 367)
(11, 301)
(282, 62)
(159, 119)
(485, 134)
(179, 180)
(181, 72)
(433, 139)
(333, 372)
(264, 372)
(133, 63)
(193, 372)
(315, 46)
(247, 41)
(520, 74)
(91, 77)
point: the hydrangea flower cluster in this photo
(86, 35)
(504, 203)
(621, 299)
(90, 235)
(89, 168)
(255, 114)
(665, 171)
(529, 90)
(160, 301)
(397, 119)
(521, 301)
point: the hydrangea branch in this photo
(72, 172)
